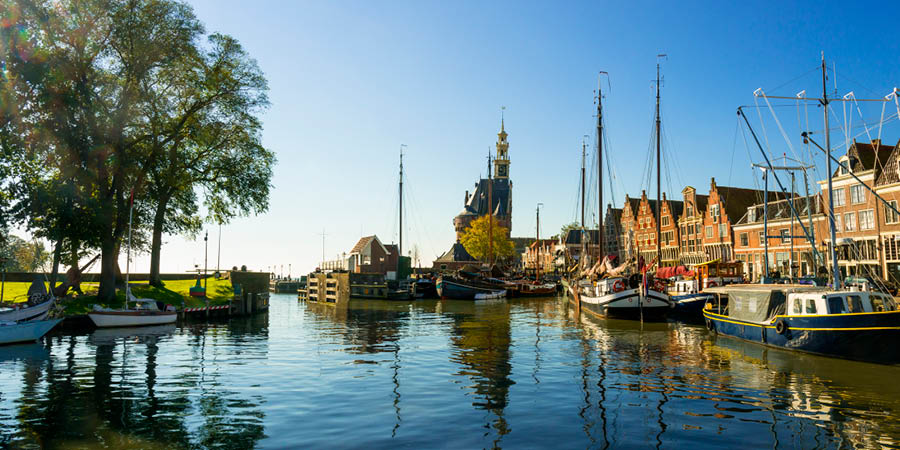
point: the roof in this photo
(542, 243)
(737, 200)
(457, 253)
(391, 249)
(501, 193)
(890, 173)
(574, 236)
(867, 156)
(780, 209)
(615, 212)
(364, 242)
(786, 288)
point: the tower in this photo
(501, 163)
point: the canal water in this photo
(377, 374)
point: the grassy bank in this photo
(175, 292)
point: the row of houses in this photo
(727, 223)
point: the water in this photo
(517, 374)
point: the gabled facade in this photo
(690, 226)
(628, 228)
(669, 232)
(369, 255)
(611, 235)
(887, 185)
(725, 206)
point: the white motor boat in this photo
(138, 312)
(36, 308)
(28, 331)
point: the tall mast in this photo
(537, 240)
(583, 250)
(658, 188)
(400, 245)
(600, 229)
(835, 271)
(490, 212)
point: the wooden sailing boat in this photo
(619, 296)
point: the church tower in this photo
(501, 163)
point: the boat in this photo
(536, 289)
(37, 306)
(137, 311)
(687, 293)
(426, 288)
(25, 331)
(453, 288)
(638, 296)
(847, 324)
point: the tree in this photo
(568, 227)
(24, 256)
(475, 240)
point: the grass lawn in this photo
(175, 292)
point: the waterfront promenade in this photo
(376, 374)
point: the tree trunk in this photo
(107, 292)
(57, 250)
(156, 245)
(73, 257)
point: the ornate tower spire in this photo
(501, 162)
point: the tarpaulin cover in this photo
(669, 272)
(755, 305)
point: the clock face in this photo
(502, 171)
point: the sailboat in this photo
(835, 321)
(36, 307)
(137, 311)
(616, 295)
(28, 324)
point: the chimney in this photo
(712, 182)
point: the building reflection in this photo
(480, 335)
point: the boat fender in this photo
(711, 284)
(618, 286)
(710, 326)
(781, 327)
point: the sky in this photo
(350, 81)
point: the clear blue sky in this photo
(351, 81)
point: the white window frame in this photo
(709, 231)
(840, 197)
(860, 196)
(850, 221)
(838, 223)
(722, 230)
(785, 235)
(890, 217)
(745, 240)
(869, 222)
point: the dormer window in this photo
(845, 166)
(751, 214)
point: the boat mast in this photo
(835, 271)
(400, 245)
(583, 251)
(600, 229)
(490, 212)
(658, 187)
(537, 235)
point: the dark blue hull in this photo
(452, 290)
(690, 304)
(868, 337)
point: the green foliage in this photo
(475, 240)
(24, 256)
(568, 227)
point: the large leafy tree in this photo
(215, 150)
(79, 74)
(476, 240)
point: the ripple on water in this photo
(373, 374)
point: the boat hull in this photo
(111, 319)
(627, 304)
(26, 331)
(456, 291)
(28, 313)
(861, 336)
(690, 304)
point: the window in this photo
(845, 167)
(751, 214)
(850, 221)
(722, 231)
(714, 212)
(785, 236)
(837, 223)
(709, 232)
(835, 305)
(762, 238)
(840, 197)
(890, 215)
(665, 221)
(690, 210)
(857, 194)
(867, 219)
(798, 306)
(745, 240)
(810, 306)
(855, 304)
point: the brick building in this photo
(540, 254)
(369, 255)
(690, 226)
(725, 205)
(788, 250)
(611, 235)
(628, 228)
(887, 185)
(858, 215)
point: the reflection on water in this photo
(380, 374)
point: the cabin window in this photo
(878, 304)
(810, 306)
(798, 306)
(835, 305)
(855, 304)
